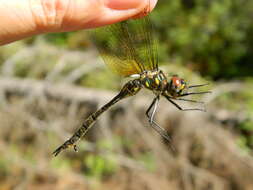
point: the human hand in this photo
(23, 18)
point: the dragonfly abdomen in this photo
(129, 89)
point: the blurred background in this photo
(50, 83)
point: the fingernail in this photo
(150, 7)
(123, 4)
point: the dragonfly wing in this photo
(120, 66)
(116, 49)
(146, 45)
(127, 47)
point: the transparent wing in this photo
(147, 41)
(128, 47)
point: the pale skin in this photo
(20, 19)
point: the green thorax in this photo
(154, 80)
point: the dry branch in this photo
(206, 153)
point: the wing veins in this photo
(130, 47)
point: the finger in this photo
(20, 19)
(112, 11)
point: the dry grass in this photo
(121, 151)
(37, 116)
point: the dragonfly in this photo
(130, 50)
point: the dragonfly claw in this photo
(57, 151)
(62, 147)
(75, 148)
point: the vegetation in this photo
(211, 37)
(199, 40)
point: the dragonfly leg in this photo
(154, 107)
(129, 89)
(180, 108)
(198, 85)
(188, 100)
(152, 123)
(194, 93)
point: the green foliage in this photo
(59, 39)
(247, 125)
(211, 35)
(3, 168)
(60, 163)
(73, 40)
(98, 166)
(148, 160)
(101, 165)
(242, 142)
(243, 101)
(102, 78)
(246, 138)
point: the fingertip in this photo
(150, 5)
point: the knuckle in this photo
(48, 14)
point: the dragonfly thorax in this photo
(154, 80)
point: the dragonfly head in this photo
(176, 86)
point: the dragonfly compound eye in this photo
(176, 86)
